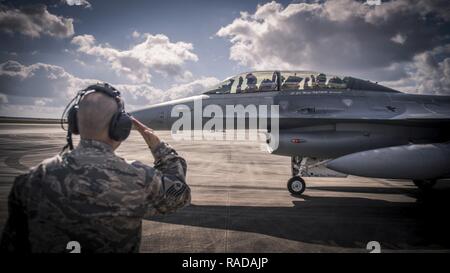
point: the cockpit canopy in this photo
(260, 81)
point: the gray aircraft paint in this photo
(419, 161)
(333, 123)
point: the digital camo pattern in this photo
(92, 196)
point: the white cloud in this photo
(14, 69)
(155, 54)
(340, 36)
(195, 87)
(34, 21)
(135, 34)
(399, 39)
(42, 101)
(428, 73)
(78, 3)
(80, 62)
(38, 80)
(51, 87)
(432, 76)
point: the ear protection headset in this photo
(120, 124)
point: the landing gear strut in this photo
(425, 184)
(296, 185)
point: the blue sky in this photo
(160, 50)
(113, 22)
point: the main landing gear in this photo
(296, 185)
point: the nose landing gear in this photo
(296, 185)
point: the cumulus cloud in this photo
(50, 87)
(38, 80)
(428, 73)
(78, 3)
(192, 88)
(382, 42)
(433, 76)
(156, 53)
(34, 21)
(399, 39)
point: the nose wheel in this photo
(296, 185)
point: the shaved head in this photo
(94, 115)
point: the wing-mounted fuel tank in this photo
(418, 161)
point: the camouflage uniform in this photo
(92, 196)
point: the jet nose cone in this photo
(154, 117)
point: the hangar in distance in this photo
(336, 126)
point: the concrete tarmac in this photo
(240, 202)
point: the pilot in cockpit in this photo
(313, 82)
(321, 80)
(239, 86)
(274, 77)
(269, 85)
(251, 82)
(306, 83)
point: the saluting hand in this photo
(150, 138)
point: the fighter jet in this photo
(333, 126)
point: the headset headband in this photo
(104, 88)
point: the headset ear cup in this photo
(72, 120)
(120, 126)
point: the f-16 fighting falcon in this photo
(335, 126)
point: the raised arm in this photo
(167, 189)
